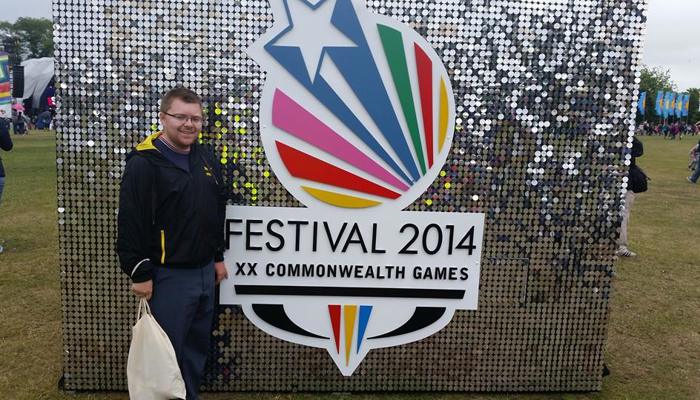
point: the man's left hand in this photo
(221, 272)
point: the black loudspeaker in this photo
(18, 81)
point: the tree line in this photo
(33, 38)
(27, 38)
(653, 80)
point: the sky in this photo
(672, 40)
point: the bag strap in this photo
(143, 307)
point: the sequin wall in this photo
(545, 94)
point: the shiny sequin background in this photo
(545, 93)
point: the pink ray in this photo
(294, 119)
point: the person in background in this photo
(20, 123)
(6, 145)
(693, 157)
(43, 120)
(675, 131)
(637, 183)
(695, 151)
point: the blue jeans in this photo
(183, 305)
(2, 186)
(696, 174)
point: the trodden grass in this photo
(654, 333)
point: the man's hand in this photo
(221, 272)
(143, 289)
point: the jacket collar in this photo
(147, 143)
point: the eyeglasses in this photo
(182, 118)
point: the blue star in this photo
(311, 31)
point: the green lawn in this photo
(654, 334)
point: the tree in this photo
(694, 114)
(652, 81)
(36, 35)
(27, 38)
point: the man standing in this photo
(5, 144)
(637, 183)
(171, 230)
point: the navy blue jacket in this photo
(169, 216)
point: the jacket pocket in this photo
(162, 246)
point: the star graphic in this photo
(311, 30)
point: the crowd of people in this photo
(676, 131)
(22, 122)
(669, 130)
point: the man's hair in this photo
(180, 93)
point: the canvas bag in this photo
(152, 370)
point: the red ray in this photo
(305, 166)
(425, 83)
(334, 312)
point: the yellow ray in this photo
(340, 200)
(444, 112)
(349, 313)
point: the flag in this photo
(669, 104)
(642, 103)
(679, 105)
(660, 103)
(686, 105)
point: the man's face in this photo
(182, 123)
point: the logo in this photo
(356, 118)
(357, 110)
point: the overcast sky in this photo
(672, 41)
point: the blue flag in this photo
(669, 104)
(642, 103)
(686, 105)
(679, 105)
(660, 103)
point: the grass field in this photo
(654, 333)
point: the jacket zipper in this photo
(162, 246)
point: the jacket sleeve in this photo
(134, 220)
(221, 211)
(5, 139)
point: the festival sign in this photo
(356, 118)
(5, 89)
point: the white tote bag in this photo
(152, 369)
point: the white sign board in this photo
(357, 118)
(351, 283)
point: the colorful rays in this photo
(349, 319)
(375, 180)
(370, 124)
(394, 50)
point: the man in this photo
(170, 230)
(637, 183)
(695, 153)
(5, 144)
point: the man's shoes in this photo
(1, 248)
(689, 180)
(623, 251)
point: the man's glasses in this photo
(182, 118)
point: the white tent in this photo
(37, 75)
